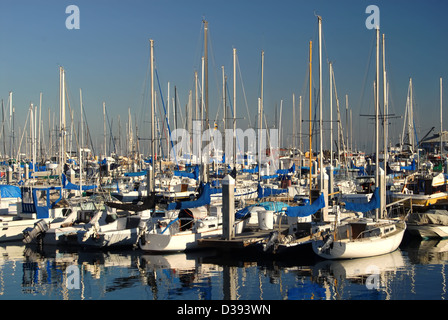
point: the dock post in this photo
(228, 207)
(8, 175)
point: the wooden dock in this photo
(242, 240)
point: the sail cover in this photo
(373, 204)
(203, 199)
(70, 186)
(267, 192)
(307, 210)
(191, 175)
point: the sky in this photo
(108, 56)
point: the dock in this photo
(243, 240)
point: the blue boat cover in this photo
(135, 174)
(286, 171)
(373, 204)
(203, 199)
(254, 170)
(270, 177)
(191, 175)
(70, 186)
(306, 210)
(8, 191)
(266, 192)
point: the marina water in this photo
(417, 271)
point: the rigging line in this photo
(166, 118)
(244, 91)
(110, 131)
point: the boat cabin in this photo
(40, 201)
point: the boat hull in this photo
(182, 241)
(116, 238)
(360, 248)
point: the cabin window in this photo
(41, 198)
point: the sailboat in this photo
(182, 224)
(363, 237)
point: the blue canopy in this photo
(135, 174)
(203, 199)
(307, 210)
(373, 204)
(70, 186)
(191, 175)
(266, 192)
(254, 170)
(270, 177)
(286, 171)
(8, 191)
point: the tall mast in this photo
(234, 107)
(331, 127)
(153, 145)
(260, 119)
(207, 124)
(321, 161)
(293, 123)
(311, 116)
(377, 108)
(441, 127)
(81, 145)
(104, 129)
(62, 114)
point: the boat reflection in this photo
(27, 272)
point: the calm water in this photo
(417, 271)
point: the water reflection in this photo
(416, 271)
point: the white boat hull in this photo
(116, 238)
(13, 230)
(182, 241)
(360, 248)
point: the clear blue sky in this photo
(108, 56)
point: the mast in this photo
(293, 123)
(104, 129)
(311, 116)
(321, 160)
(62, 114)
(331, 127)
(234, 107)
(207, 124)
(81, 146)
(377, 108)
(153, 145)
(260, 119)
(441, 127)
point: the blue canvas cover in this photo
(191, 175)
(267, 192)
(307, 210)
(373, 204)
(8, 191)
(203, 199)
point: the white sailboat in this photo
(122, 231)
(361, 238)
